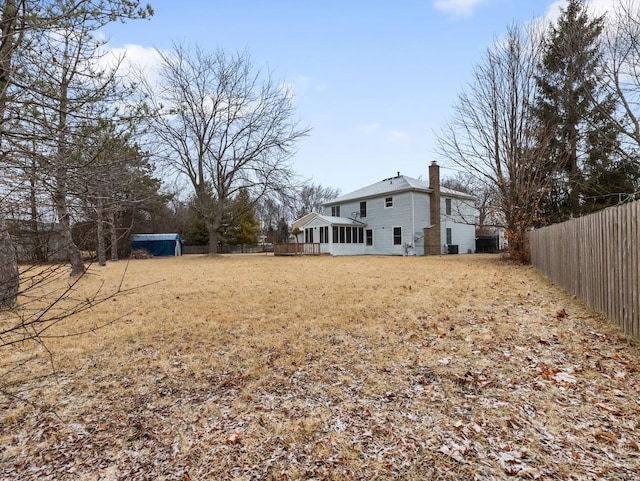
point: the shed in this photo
(158, 244)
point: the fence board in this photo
(596, 258)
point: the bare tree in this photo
(488, 217)
(494, 136)
(9, 276)
(225, 126)
(310, 198)
(621, 47)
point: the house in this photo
(396, 216)
(158, 244)
(37, 241)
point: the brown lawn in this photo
(259, 367)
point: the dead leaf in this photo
(510, 461)
(455, 450)
(563, 377)
(529, 472)
(234, 438)
(606, 435)
(454, 453)
(608, 408)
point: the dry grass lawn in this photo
(258, 367)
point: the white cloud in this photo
(596, 7)
(399, 136)
(458, 7)
(136, 57)
(302, 85)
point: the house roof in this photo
(401, 183)
(328, 219)
(302, 220)
(455, 193)
(154, 237)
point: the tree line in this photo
(548, 129)
(84, 141)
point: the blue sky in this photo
(375, 80)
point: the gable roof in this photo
(445, 192)
(394, 185)
(328, 219)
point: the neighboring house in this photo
(397, 216)
(37, 243)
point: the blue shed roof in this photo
(154, 237)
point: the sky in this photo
(374, 80)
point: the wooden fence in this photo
(227, 249)
(296, 248)
(596, 258)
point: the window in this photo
(324, 235)
(308, 235)
(363, 209)
(335, 211)
(397, 236)
(447, 206)
(348, 235)
(369, 237)
(388, 202)
(449, 236)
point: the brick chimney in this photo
(432, 236)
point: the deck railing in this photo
(296, 249)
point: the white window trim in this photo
(385, 202)
(365, 238)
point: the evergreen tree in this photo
(195, 228)
(245, 227)
(572, 104)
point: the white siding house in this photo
(393, 217)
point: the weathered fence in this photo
(596, 258)
(228, 249)
(296, 248)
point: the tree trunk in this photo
(75, 257)
(60, 193)
(38, 251)
(114, 234)
(102, 251)
(64, 219)
(9, 274)
(213, 239)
